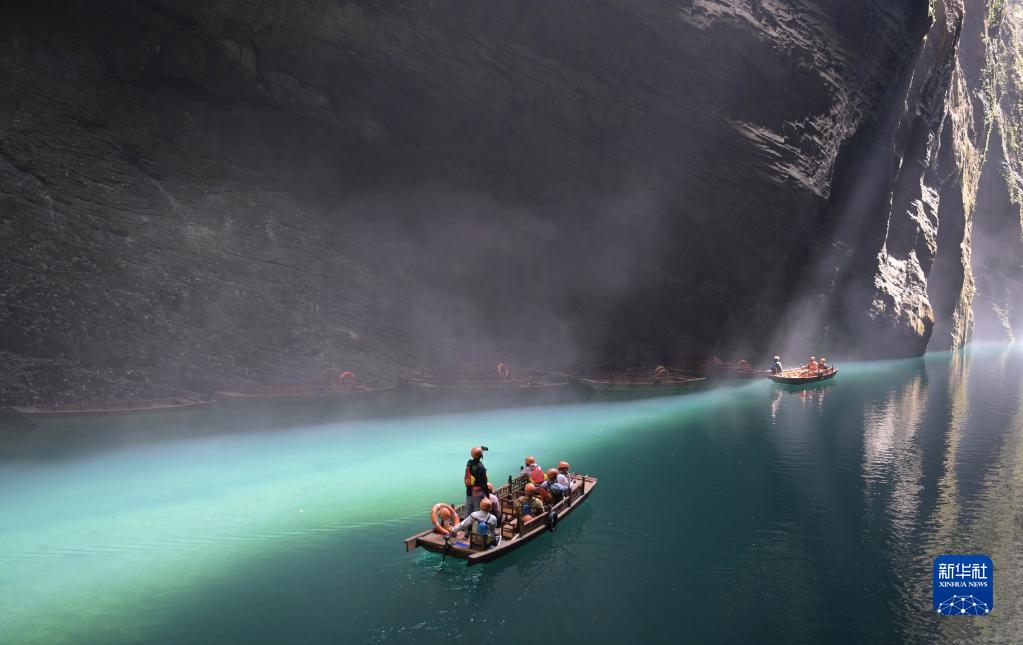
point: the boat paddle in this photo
(447, 547)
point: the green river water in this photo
(742, 514)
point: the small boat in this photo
(298, 394)
(485, 387)
(802, 376)
(514, 532)
(719, 370)
(641, 382)
(304, 403)
(120, 413)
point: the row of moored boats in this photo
(496, 386)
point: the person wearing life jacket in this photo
(533, 471)
(556, 489)
(812, 365)
(444, 519)
(475, 480)
(528, 505)
(776, 367)
(495, 503)
(481, 525)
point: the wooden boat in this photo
(514, 533)
(474, 386)
(800, 376)
(299, 394)
(120, 413)
(641, 382)
(276, 404)
(720, 370)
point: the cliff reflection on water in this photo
(833, 500)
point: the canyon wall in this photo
(200, 194)
(927, 221)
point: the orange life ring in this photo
(502, 369)
(437, 526)
(345, 380)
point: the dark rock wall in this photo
(195, 194)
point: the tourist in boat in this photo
(528, 505)
(822, 365)
(495, 502)
(776, 367)
(445, 519)
(481, 525)
(475, 480)
(811, 367)
(533, 470)
(553, 486)
(564, 477)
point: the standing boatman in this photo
(475, 481)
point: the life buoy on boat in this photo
(502, 369)
(346, 380)
(660, 371)
(437, 526)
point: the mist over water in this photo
(739, 514)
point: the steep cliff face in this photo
(194, 194)
(909, 232)
(998, 216)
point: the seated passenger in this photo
(482, 526)
(812, 365)
(533, 471)
(554, 487)
(822, 366)
(528, 505)
(564, 476)
(495, 503)
(776, 367)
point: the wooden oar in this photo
(447, 547)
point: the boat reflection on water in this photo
(810, 397)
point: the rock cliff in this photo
(196, 194)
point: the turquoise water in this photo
(735, 515)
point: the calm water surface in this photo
(749, 514)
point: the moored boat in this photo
(718, 370)
(119, 413)
(298, 394)
(514, 533)
(485, 387)
(802, 376)
(310, 403)
(659, 381)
